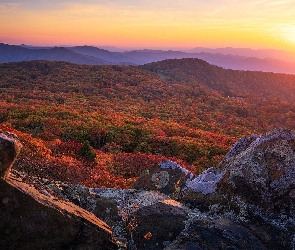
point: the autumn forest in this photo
(104, 125)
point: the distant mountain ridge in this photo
(12, 53)
(258, 53)
(96, 56)
(111, 57)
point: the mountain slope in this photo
(231, 83)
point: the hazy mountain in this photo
(258, 53)
(11, 53)
(224, 61)
(112, 57)
(247, 63)
(184, 108)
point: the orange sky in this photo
(148, 24)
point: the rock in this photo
(9, 149)
(246, 202)
(214, 232)
(151, 218)
(158, 223)
(263, 174)
(32, 220)
(259, 171)
(102, 207)
(166, 177)
(255, 183)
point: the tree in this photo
(87, 152)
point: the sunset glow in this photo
(149, 24)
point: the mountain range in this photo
(228, 58)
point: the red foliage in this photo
(132, 165)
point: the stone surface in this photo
(255, 184)
(166, 177)
(263, 173)
(150, 218)
(214, 232)
(104, 208)
(157, 224)
(30, 220)
(9, 149)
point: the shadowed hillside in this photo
(231, 83)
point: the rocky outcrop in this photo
(205, 231)
(255, 183)
(31, 220)
(252, 190)
(246, 202)
(9, 149)
(151, 219)
(263, 173)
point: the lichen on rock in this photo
(161, 179)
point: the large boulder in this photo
(263, 173)
(9, 149)
(31, 220)
(258, 171)
(159, 223)
(151, 218)
(221, 232)
(255, 183)
(166, 177)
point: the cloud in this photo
(9, 6)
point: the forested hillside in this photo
(104, 125)
(231, 83)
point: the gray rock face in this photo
(263, 173)
(167, 177)
(9, 149)
(256, 186)
(157, 224)
(214, 232)
(150, 218)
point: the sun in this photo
(288, 33)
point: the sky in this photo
(257, 24)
